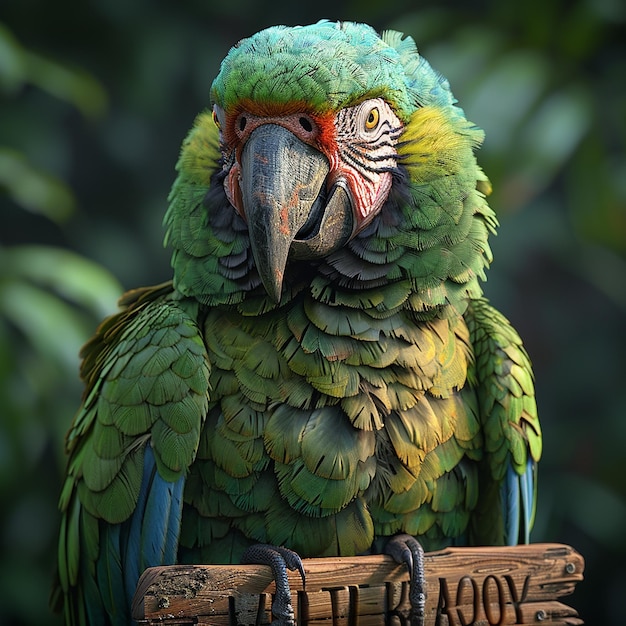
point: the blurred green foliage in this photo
(96, 98)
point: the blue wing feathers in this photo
(148, 538)
(529, 491)
(170, 552)
(518, 497)
(132, 529)
(160, 521)
(109, 574)
(511, 506)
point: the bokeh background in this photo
(96, 96)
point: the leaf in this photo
(71, 275)
(53, 327)
(12, 62)
(73, 85)
(33, 189)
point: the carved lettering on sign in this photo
(491, 600)
(494, 600)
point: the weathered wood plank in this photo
(510, 585)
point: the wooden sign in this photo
(465, 586)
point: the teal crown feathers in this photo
(329, 65)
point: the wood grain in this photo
(465, 586)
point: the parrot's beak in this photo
(287, 205)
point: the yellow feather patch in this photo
(201, 150)
(434, 144)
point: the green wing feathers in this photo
(146, 373)
(503, 379)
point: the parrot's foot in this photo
(280, 560)
(406, 549)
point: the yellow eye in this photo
(216, 120)
(372, 119)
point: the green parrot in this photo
(323, 375)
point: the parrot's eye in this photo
(306, 124)
(217, 115)
(372, 119)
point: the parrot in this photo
(322, 376)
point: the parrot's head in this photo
(317, 125)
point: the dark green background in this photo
(96, 98)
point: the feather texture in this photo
(378, 392)
(145, 402)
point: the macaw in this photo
(323, 375)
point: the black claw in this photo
(293, 561)
(280, 560)
(406, 549)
